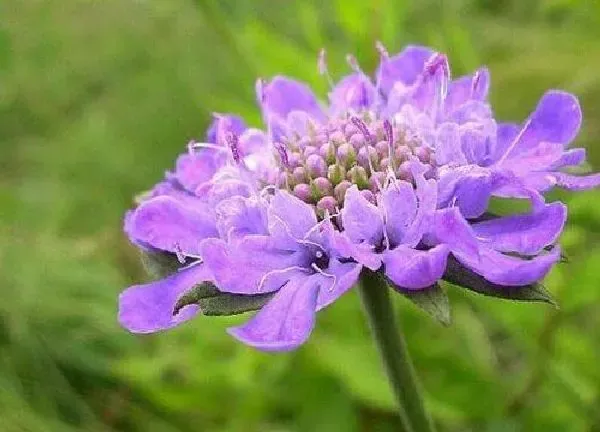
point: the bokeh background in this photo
(96, 100)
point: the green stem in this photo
(392, 347)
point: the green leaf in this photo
(432, 300)
(204, 290)
(213, 302)
(159, 264)
(459, 275)
(232, 304)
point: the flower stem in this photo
(392, 348)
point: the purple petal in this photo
(571, 157)
(354, 92)
(362, 221)
(219, 189)
(289, 215)
(346, 276)
(426, 192)
(509, 270)
(239, 216)
(399, 205)
(431, 89)
(451, 228)
(286, 321)
(448, 145)
(505, 135)
(572, 182)
(468, 189)
(468, 87)
(537, 158)
(222, 124)
(471, 111)
(414, 269)
(252, 265)
(193, 169)
(527, 234)
(252, 141)
(283, 95)
(165, 223)
(556, 119)
(404, 67)
(363, 253)
(475, 145)
(149, 308)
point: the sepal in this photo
(432, 300)
(459, 275)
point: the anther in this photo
(383, 52)
(283, 155)
(260, 90)
(362, 127)
(234, 146)
(322, 67)
(353, 63)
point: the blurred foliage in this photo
(96, 100)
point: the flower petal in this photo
(252, 265)
(193, 169)
(222, 124)
(239, 216)
(526, 234)
(468, 87)
(415, 269)
(283, 95)
(165, 223)
(404, 67)
(448, 145)
(571, 157)
(362, 221)
(345, 277)
(149, 308)
(572, 182)
(286, 321)
(354, 92)
(399, 205)
(289, 216)
(556, 119)
(509, 270)
(451, 228)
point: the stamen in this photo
(179, 253)
(316, 268)
(322, 67)
(193, 146)
(362, 127)
(263, 280)
(389, 135)
(383, 52)
(475, 82)
(234, 146)
(353, 63)
(260, 90)
(436, 62)
(282, 154)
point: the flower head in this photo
(393, 175)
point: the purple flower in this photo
(394, 175)
(287, 252)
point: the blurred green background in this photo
(96, 100)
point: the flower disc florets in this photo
(355, 148)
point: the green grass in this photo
(96, 101)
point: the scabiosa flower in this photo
(393, 176)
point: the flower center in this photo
(359, 149)
(321, 260)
